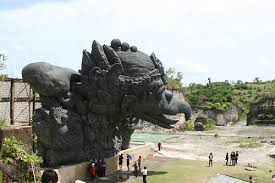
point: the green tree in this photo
(257, 80)
(173, 79)
(2, 65)
(216, 95)
(2, 61)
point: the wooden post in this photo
(33, 102)
(29, 103)
(12, 102)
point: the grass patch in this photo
(195, 171)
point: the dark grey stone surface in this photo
(198, 126)
(93, 113)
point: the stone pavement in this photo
(225, 179)
(124, 175)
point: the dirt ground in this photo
(252, 143)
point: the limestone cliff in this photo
(263, 106)
(222, 118)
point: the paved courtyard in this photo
(225, 179)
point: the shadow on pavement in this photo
(124, 176)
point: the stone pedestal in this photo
(70, 173)
(21, 133)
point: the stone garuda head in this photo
(96, 108)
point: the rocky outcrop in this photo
(222, 118)
(263, 106)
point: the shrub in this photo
(2, 122)
(210, 123)
(189, 125)
(17, 154)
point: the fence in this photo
(17, 101)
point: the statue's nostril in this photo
(168, 95)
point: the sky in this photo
(220, 39)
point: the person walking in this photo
(135, 169)
(159, 145)
(139, 163)
(236, 157)
(226, 159)
(144, 174)
(273, 178)
(129, 158)
(120, 161)
(93, 172)
(210, 157)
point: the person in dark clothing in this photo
(159, 145)
(135, 169)
(226, 158)
(210, 157)
(103, 167)
(128, 161)
(49, 176)
(237, 156)
(139, 163)
(231, 158)
(120, 161)
(98, 168)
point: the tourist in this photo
(210, 157)
(251, 179)
(49, 176)
(135, 169)
(93, 172)
(231, 156)
(273, 178)
(144, 174)
(98, 168)
(129, 158)
(139, 163)
(233, 159)
(103, 167)
(159, 145)
(120, 161)
(226, 158)
(236, 157)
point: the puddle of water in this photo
(149, 137)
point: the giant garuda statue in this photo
(92, 113)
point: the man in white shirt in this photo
(210, 157)
(144, 174)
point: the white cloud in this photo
(191, 67)
(265, 63)
(220, 30)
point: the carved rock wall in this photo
(222, 118)
(266, 105)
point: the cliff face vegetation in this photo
(226, 101)
(262, 111)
